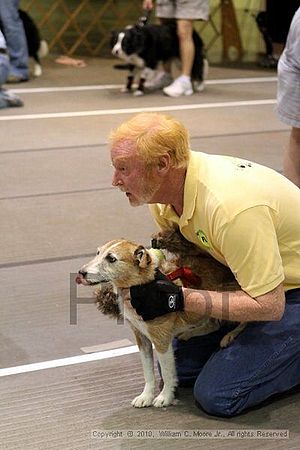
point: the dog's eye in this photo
(111, 258)
(98, 252)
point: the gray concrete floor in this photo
(57, 206)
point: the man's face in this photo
(132, 176)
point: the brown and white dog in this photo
(123, 264)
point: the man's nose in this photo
(116, 180)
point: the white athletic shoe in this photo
(181, 86)
(158, 81)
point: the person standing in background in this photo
(14, 33)
(184, 12)
(7, 98)
(274, 24)
(288, 99)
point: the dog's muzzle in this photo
(87, 279)
(115, 51)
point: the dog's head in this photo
(122, 262)
(127, 42)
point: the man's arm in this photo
(161, 296)
(236, 306)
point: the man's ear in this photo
(164, 164)
(142, 257)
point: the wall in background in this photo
(82, 27)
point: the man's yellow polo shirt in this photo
(245, 215)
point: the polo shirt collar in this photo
(190, 190)
(189, 196)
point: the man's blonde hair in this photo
(155, 135)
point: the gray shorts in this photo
(288, 90)
(182, 9)
(288, 97)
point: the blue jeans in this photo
(15, 38)
(263, 360)
(4, 69)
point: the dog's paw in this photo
(138, 93)
(227, 340)
(164, 400)
(143, 400)
(125, 90)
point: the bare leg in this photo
(186, 44)
(291, 159)
(277, 49)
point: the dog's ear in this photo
(142, 257)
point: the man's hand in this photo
(156, 298)
(148, 4)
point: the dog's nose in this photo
(80, 277)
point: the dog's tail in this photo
(42, 52)
(198, 69)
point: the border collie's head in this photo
(127, 42)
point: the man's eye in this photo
(111, 258)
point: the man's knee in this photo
(214, 400)
(184, 29)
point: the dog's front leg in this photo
(230, 337)
(146, 352)
(146, 74)
(130, 79)
(168, 372)
(140, 89)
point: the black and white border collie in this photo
(143, 47)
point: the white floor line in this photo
(112, 112)
(92, 87)
(242, 80)
(104, 87)
(69, 361)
